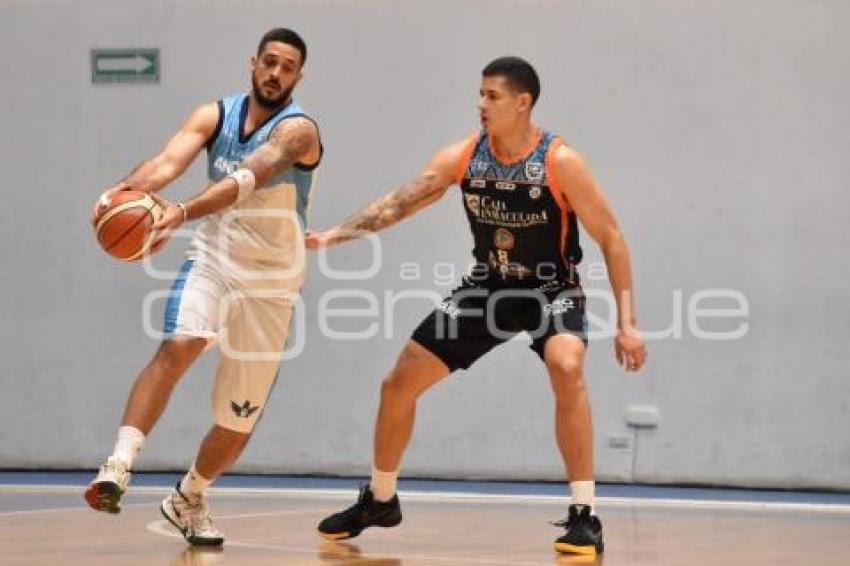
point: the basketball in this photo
(122, 222)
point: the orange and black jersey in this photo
(524, 228)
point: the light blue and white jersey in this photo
(268, 225)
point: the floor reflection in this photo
(198, 556)
(564, 559)
(348, 553)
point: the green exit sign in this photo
(128, 65)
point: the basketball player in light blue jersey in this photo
(242, 275)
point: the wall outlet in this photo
(619, 441)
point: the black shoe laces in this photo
(568, 521)
(362, 502)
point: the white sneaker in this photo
(105, 491)
(191, 516)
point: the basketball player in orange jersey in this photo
(243, 272)
(522, 190)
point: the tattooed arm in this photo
(292, 141)
(404, 201)
(295, 140)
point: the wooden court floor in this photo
(51, 525)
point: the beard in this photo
(270, 102)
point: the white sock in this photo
(383, 484)
(128, 445)
(582, 493)
(194, 483)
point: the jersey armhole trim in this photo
(465, 157)
(557, 190)
(558, 194)
(301, 166)
(214, 136)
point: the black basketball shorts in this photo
(475, 318)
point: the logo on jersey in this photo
(485, 206)
(478, 167)
(224, 166)
(477, 183)
(533, 170)
(494, 211)
(503, 239)
(473, 202)
(501, 262)
(534, 192)
(505, 186)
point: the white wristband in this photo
(182, 207)
(245, 181)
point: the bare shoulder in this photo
(449, 159)
(296, 127)
(206, 111)
(292, 141)
(204, 118)
(567, 160)
(296, 140)
(457, 150)
(572, 177)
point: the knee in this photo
(567, 377)
(395, 388)
(400, 384)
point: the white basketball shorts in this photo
(248, 320)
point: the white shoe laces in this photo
(195, 513)
(115, 471)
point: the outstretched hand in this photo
(630, 350)
(314, 240)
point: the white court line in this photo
(58, 509)
(271, 513)
(461, 497)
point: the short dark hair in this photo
(287, 36)
(517, 72)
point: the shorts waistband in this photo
(495, 284)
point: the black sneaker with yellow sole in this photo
(584, 532)
(365, 513)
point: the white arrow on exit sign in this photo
(135, 64)
(124, 65)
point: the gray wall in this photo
(718, 129)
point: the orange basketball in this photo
(122, 222)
